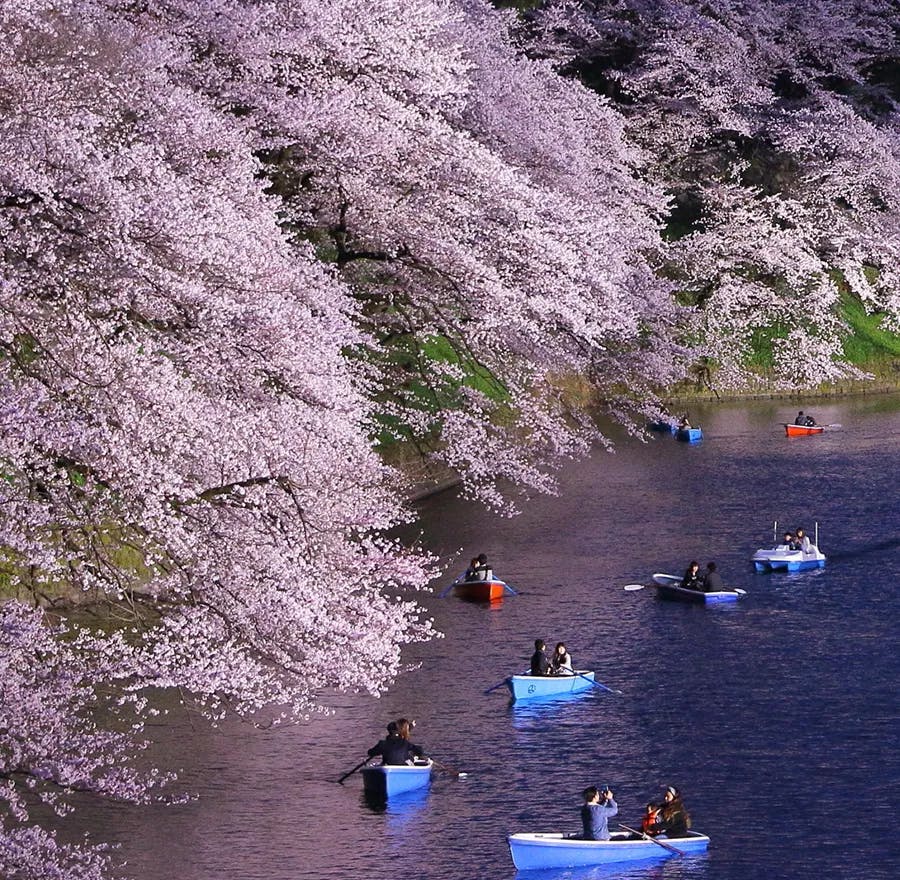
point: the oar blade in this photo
(631, 588)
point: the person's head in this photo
(671, 793)
(694, 566)
(800, 413)
(652, 808)
(799, 533)
(591, 794)
(482, 559)
(392, 728)
(539, 645)
(404, 725)
(710, 566)
(560, 648)
(473, 562)
(788, 537)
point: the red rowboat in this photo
(480, 591)
(803, 430)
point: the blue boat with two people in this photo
(532, 851)
(792, 554)
(668, 586)
(389, 780)
(530, 687)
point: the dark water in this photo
(778, 717)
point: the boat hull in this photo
(668, 586)
(663, 427)
(782, 558)
(803, 430)
(689, 435)
(480, 591)
(389, 780)
(536, 851)
(533, 687)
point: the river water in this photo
(777, 717)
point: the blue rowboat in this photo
(668, 586)
(388, 780)
(783, 558)
(534, 851)
(689, 435)
(530, 687)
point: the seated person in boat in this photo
(692, 579)
(470, 571)
(805, 421)
(599, 807)
(801, 539)
(674, 819)
(561, 662)
(396, 748)
(650, 821)
(712, 580)
(480, 569)
(684, 424)
(540, 665)
(789, 541)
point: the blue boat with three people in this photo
(529, 687)
(389, 780)
(531, 851)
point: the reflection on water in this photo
(692, 867)
(399, 808)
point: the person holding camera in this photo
(599, 807)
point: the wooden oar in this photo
(651, 837)
(496, 686)
(512, 592)
(597, 683)
(451, 770)
(349, 773)
(444, 592)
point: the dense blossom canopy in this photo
(774, 125)
(244, 242)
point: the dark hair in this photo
(403, 727)
(590, 792)
(539, 644)
(711, 566)
(558, 646)
(482, 558)
(693, 563)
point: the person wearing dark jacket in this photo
(692, 579)
(396, 748)
(540, 665)
(674, 819)
(712, 580)
(599, 807)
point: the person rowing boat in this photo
(396, 748)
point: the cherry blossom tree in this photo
(228, 229)
(773, 126)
